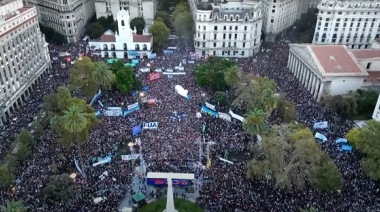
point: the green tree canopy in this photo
(160, 33)
(19, 150)
(325, 175)
(366, 99)
(164, 16)
(13, 206)
(139, 23)
(310, 209)
(52, 36)
(182, 20)
(38, 129)
(95, 30)
(25, 137)
(60, 187)
(233, 76)
(81, 77)
(255, 122)
(103, 75)
(287, 109)
(344, 106)
(369, 144)
(6, 177)
(221, 98)
(354, 136)
(285, 156)
(116, 66)
(212, 73)
(126, 80)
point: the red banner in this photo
(151, 101)
(154, 76)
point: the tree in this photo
(6, 177)
(353, 136)
(183, 24)
(255, 122)
(38, 130)
(343, 106)
(74, 125)
(310, 209)
(13, 206)
(125, 79)
(51, 36)
(95, 30)
(221, 98)
(60, 187)
(102, 75)
(139, 23)
(160, 32)
(81, 77)
(285, 156)
(269, 100)
(19, 150)
(212, 73)
(367, 100)
(25, 137)
(369, 145)
(164, 16)
(286, 108)
(325, 175)
(233, 76)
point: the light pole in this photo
(141, 97)
(131, 144)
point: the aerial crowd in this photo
(174, 143)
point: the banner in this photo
(132, 106)
(151, 101)
(135, 61)
(97, 113)
(96, 96)
(113, 111)
(209, 112)
(320, 125)
(55, 58)
(150, 125)
(210, 106)
(346, 148)
(145, 88)
(242, 119)
(158, 70)
(225, 116)
(131, 110)
(167, 51)
(172, 47)
(154, 76)
(164, 182)
(144, 70)
(76, 165)
(136, 130)
(191, 61)
(133, 53)
(174, 73)
(131, 157)
(152, 56)
(103, 161)
(341, 140)
(179, 68)
(320, 136)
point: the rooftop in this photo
(17, 12)
(107, 38)
(335, 59)
(366, 53)
(141, 38)
(373, 76)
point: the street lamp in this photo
(131, 144)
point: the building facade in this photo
(352, 23)
(322, 69)
(125, 43)
(68, 17)
(24, 55)
(137, 8)
(230, 29)
(376, 111)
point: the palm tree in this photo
(255, 122)
(13, 206)
(233, 76)
(310, 209)
(102, 75)
(74, 121)
(269, 100)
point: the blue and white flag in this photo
(320, 125)
(97, 113)
(346, 148)
(320, 136)
(209, 112)
(341, 140)
(131, 110)
(103, 161)
(150, 125)
(77, 165)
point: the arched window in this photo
(145, 47)
(122, 23)
(137, 47)
(125, 46)
(236, 18)
(231, 18)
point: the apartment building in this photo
(68, 17)
(24, 55)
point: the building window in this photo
(214, 36)
(272, 20)
(214, 53)
(203, 53)
(215, 27)
(243, 44)
(204, 44)
(244, 37)
(235, 36)
(230, 36)
(224, 36)
(224, 44)
(122, 23)
(236, 27)
(242, 53)
(214, 44)
(204, 27)
(368, 66)
(245, 27)
(204, 37)
(224, 28)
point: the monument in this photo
(163, 178)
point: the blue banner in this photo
(136, 130)
(164, 182)
(320, 136)
(145, 88)
(341, 140)
(133, 53)
(167, 51)
(320, 125)
(346, 148)
(131, 110)
(135, 61)
(152, 56)
(209, 112)
(76, 165)
(97, 113)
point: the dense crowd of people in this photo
(173, 147)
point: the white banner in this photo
(131, 157)
(113, 111)
(132, 106)
(225, 116)
(236, 116)
(210, 106)
(150, 125)
(144, 69)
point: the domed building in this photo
(125, 43)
